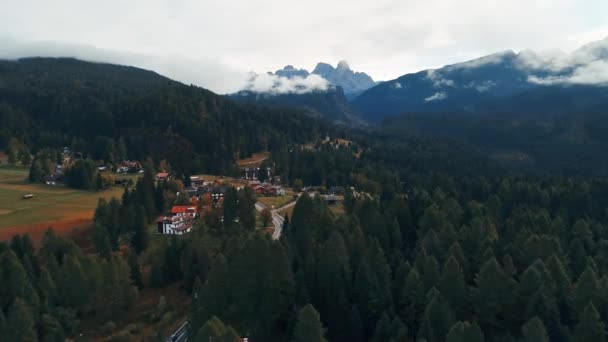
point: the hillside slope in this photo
(93, 107)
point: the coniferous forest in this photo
(438, 242)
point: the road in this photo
(180, 335)
(277, 219)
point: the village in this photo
(206, 193)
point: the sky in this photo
(215, 44)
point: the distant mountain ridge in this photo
(325, 92)
(352, 82)
(464, 86)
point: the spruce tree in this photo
(493, 296)
(135, 269)
(20, 323)
(452, 286)
(383, 330)
(140, 239)
(590, 328)
(586, 290)
(534, 331)
(438, 318)
(412, 300)
(309, 327)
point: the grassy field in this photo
(276, 202)
(57, 206)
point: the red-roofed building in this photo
(180, 222)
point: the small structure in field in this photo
(28, 196)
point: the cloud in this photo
(594, 73)
(204, 72)
(481, 87)
(587, 65)
(438, 81)
(436, 97)
(272, 84)
(495, 58)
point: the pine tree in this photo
(141, 234)
(15, 282)
(101, 241)
(383, 330)
(534, 331)
(47, 287)
(98, 182)
(586, 290)
(20, 322)
(430, 276)
(51, 329)
(412, 300)
(438, 318)
(135, 269)
(247, 200)
(399, 330)
(456, 333)
(212, 330)
(196, 306)
(357, 331)
(452, 286)
(333, 276)
(309, 327)
(230, 206)
(493, 296)
(590, 327)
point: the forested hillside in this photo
(543, 132)
(91, 107)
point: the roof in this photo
(182, 209)
(162, 175)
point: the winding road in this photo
(277, 219)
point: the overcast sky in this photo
(215, 43)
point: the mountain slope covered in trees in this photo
(92, 107)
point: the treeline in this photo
(567, 141)
(108, 111)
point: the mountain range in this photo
(488, 82)
(325, 92)
(353, 83)
(498, 82)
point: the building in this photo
(177, 225)
(196, 181)
(180, 222)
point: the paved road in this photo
(181, 334)
(277, 219)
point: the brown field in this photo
(255, 160)
(59, 207)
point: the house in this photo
(196, 181)
(177, 225)
(180, 222)
(28, 196)
(184, 210)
